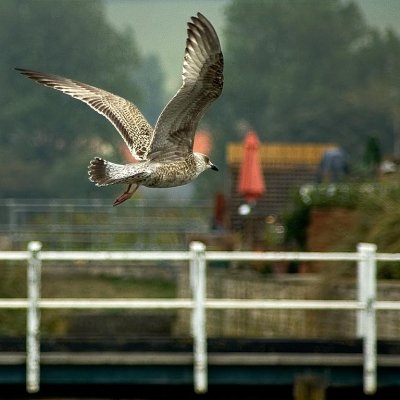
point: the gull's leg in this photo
(126, 195)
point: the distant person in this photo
(333, 166)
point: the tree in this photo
(377, 92)
(45, 136)
(294, 70)
(150, 77)
(372, 154)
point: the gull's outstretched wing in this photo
(202, 83)
(125, 116)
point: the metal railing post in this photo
(198, 284)
(33, 319)
(361, 294)
(366, 327)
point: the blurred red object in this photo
(219, 211)
(202, 142)
(251, 184)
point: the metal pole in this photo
(198, 274)
(33, 319)
(12, 221)
(369, 320)
(361, 289)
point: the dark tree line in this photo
(299, 71)
(46, 138)
(310, 71)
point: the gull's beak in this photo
(214, 167)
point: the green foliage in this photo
(380, 223)
(377, 206)
(296, 222)
(150, 78)
(296, 219)
(45, 137)
(300, 71)
(372, 153)
(77, 284)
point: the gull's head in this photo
(203, 162)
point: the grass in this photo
(71, 284)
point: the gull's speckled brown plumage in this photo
(165, 153)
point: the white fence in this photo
(197, 257)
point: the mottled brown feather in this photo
(202, 83)
(125, 116)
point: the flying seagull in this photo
(165, 153)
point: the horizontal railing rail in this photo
(197, 257)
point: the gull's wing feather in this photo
(125, 116)
(202, 83)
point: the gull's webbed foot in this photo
(125, 196)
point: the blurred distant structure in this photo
(285, 167)
(333, 166)
(91, 224)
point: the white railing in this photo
(197, 257)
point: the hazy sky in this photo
(160, 25)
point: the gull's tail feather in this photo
(103, 172)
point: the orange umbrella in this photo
(251, 183)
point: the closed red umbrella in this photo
(251, 184)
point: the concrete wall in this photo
(239, 284)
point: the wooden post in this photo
(309, 387)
